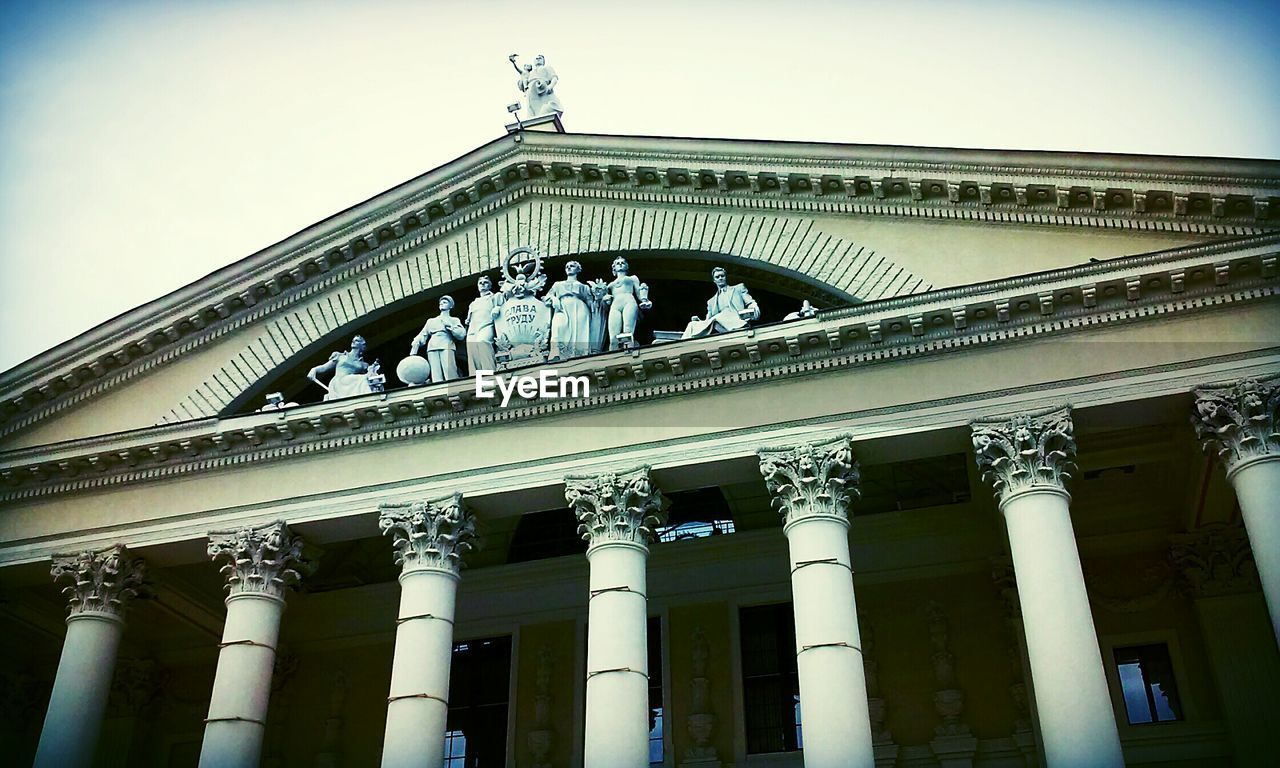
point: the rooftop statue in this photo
(538, 83)
(351, 374)
(575, 307)
(730, 309)
(805, 312)
(440, 335)
(523, 324)
(627, 296)
(480, 334)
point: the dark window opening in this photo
(932, 482)
(1146, 681)
(770, 685)
(540, 535)
(696, 514)
(479, 688)
(657, 742)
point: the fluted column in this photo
(102, 584)
(811, 486)
(617, 514)
(259, 564)
(1241, 423)
(1027, 459)
(430, 539)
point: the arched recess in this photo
(791, 249)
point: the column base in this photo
(886, 754)
(955, 751)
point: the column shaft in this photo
(833, 687)
(1072, 701)
(617, 725)
(80, 691)
(242, 684)
(418, 707)
(1257, 486)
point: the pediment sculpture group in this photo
(520, 325)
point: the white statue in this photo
(731, 309)
(807, 311)
(351, 374)
(538, 83)
(627, 296)
(480, 336)
(572, 305)
(440, 335)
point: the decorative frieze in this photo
(1215, 560)
(1239, 421)
(430, 534)
(101, 582)
(811, 479)
(262, 560)
(1025, 451)
(616, 506)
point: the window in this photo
(1146, 681)
(770, 685)
(696, 514)
(479, 687)
(657, 742)
(541, 535)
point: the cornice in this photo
(978, 185)
(1088, 296)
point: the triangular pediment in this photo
(848, 223)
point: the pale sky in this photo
(145, 144)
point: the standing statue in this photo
(627, 296)
(538, 84)
(351, 374)
(572, 305)
(440, 335)
(731, 309)
(480, 336)
(598, 337)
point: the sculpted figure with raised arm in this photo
(538, 84)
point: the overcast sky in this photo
(144, 145)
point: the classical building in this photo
(1005, 492)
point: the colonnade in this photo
(1027, 459)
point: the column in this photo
(259, 564)
(102, 584)
(430, 539)
(811, 486)
(617, 513)
(1027, 459)
(1220, 576)
(1241, 423)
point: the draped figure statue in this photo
(350, 372)
(480, 333)
(572, 305)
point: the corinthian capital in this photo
(101, 582)
(811, 479)
(1215, 560)
(1239, 421)
(615, 506)
(1026, 451)
(262, 560)
(430, 534)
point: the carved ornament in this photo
(1215, 560)
(101, 582)
(1026, 451)
(811, 479)
(616, 506)
(1239, 421)
(262, 560)
(433, 535)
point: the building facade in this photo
(981, 468)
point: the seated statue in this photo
(731, 309)
(440, 335)
(351, 374)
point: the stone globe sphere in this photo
(414, 370)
